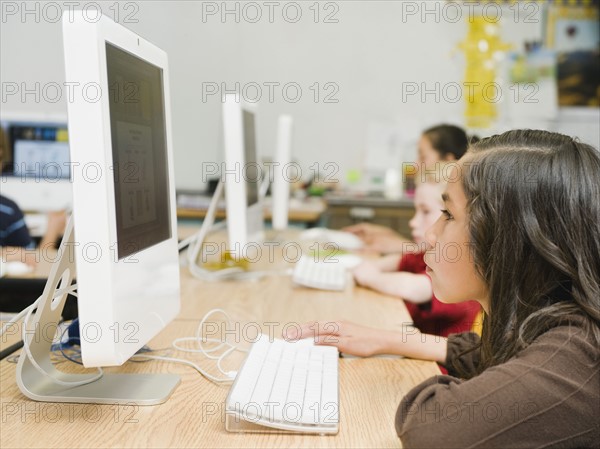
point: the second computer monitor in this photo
(242, 176)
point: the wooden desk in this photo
(348, 210)
(306, 211)
(370, 389)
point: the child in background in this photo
(442, 143)
(524, 207)
(404, 275)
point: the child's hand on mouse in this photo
(349, 338)
(18, 254)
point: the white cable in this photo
(42, 370)
(184, 362)
(197, 240)
(16, 318)
(199, 331)
(207, 352)
(264, 187)
(197, 351)
(27, 350)
(230, 374)
(207, 225)
(186, 242)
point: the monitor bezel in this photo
(124, 303)
(244, 221)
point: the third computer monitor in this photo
(242, 176)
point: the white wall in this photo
(372, 49)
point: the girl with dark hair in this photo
(437, 145)
(443, 143)
(524, 207)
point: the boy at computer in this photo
(16, 244)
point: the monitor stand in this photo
(37, 377)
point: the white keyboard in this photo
(320, 274)
(286, 386)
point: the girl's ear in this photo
(449, 157)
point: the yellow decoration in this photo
(228, 260)
(481, 47)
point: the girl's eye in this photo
(447, 215)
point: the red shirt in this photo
(435, 317)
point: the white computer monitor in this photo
(125, 228)
(242, 177)
(280, 188)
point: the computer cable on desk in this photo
(195, 244)
(208, 353)
(142, 355)
(11, 349)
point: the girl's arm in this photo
(366, 230)
(412, 287)
(387, 263)
(56, 227)
(545, 397)
(19, 254)
(364, 341)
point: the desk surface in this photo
(303, 211)
(342, 199)
(370, 389)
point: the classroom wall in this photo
(367, 56)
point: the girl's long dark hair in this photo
(533, 198)
(449, 140)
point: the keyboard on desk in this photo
(321, 275)
(286, 386)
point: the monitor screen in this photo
(36, 149)
(139, 150)
(251, 170)
(41, 159)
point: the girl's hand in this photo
(349, 338)
(368, 230)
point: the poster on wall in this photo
(573, 32)
(533, 88)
